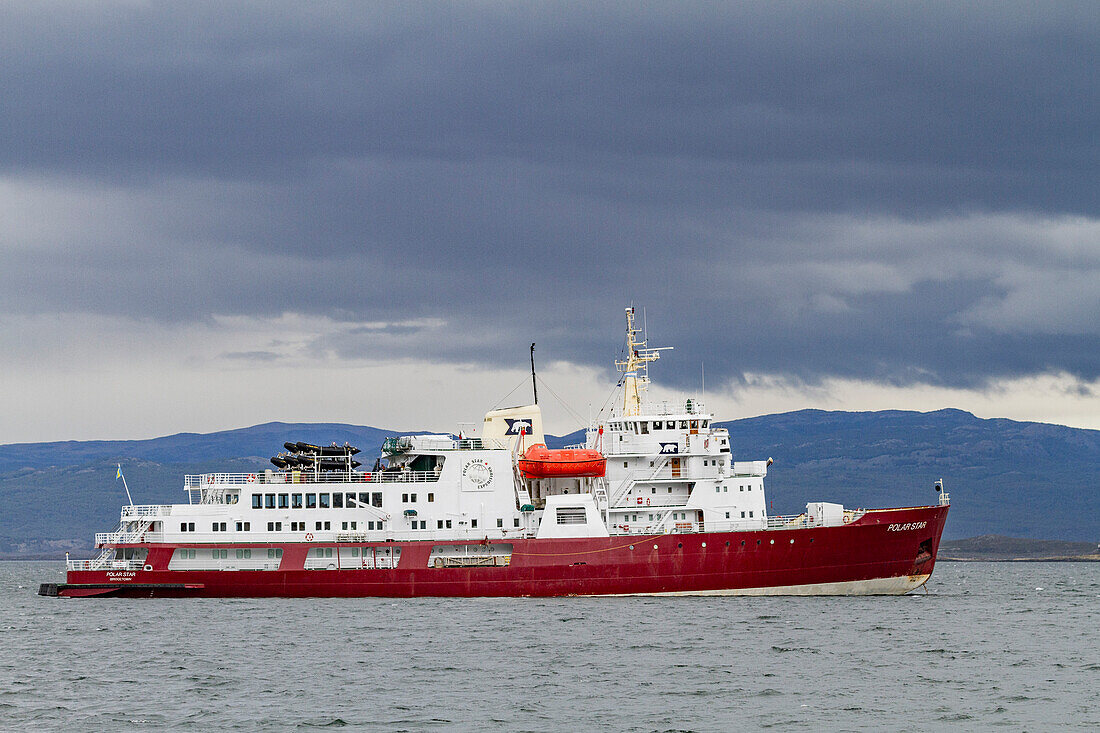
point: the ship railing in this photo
(146, 510)
(127, 538)
(97, 564)
(406, 443)
(206, 481)
(660, 408)
(779, 522)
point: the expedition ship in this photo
(652, 503)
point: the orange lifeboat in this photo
(542, 462)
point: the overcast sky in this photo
(214, 215)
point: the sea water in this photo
(1014, 645)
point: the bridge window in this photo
(473, 524)
(645, 427)
(257, 501)
(670, 424)
(269, 501)
(311, 501)
(337, 501)
(349, 500)
(324, 501)
(284, 501)
(364, 499)
(296, 501)
(375, 499)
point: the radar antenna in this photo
(635, 367)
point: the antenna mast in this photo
(534, 387)
(634, 368)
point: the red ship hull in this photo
(887, 551)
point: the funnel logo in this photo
(517, 426)
(670, 448)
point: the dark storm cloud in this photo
(858, 190)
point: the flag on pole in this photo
(118, 474)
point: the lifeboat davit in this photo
(542, 462)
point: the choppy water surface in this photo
(1014, 645)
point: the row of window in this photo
(242, 554)
(326, 526)
(327, 551)
(643, 427)
(321, 501)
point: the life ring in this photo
(147, 568)
(847, 518)
(647, 502)
(439, 562)
(251, 478)
(639, 501)
(309, 537)
(210, 478)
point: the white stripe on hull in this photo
(876, 587)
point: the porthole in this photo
(679, 545)
(632, 547)
(655, 547)
(704, 544)
(792, 541)
(771, 542)
(758, 543)
(728, 544)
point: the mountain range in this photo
(1029, 480)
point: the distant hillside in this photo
(1005, 477)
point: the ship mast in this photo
(635, 368)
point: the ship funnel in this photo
(510, 423)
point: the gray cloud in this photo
(892, 192)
